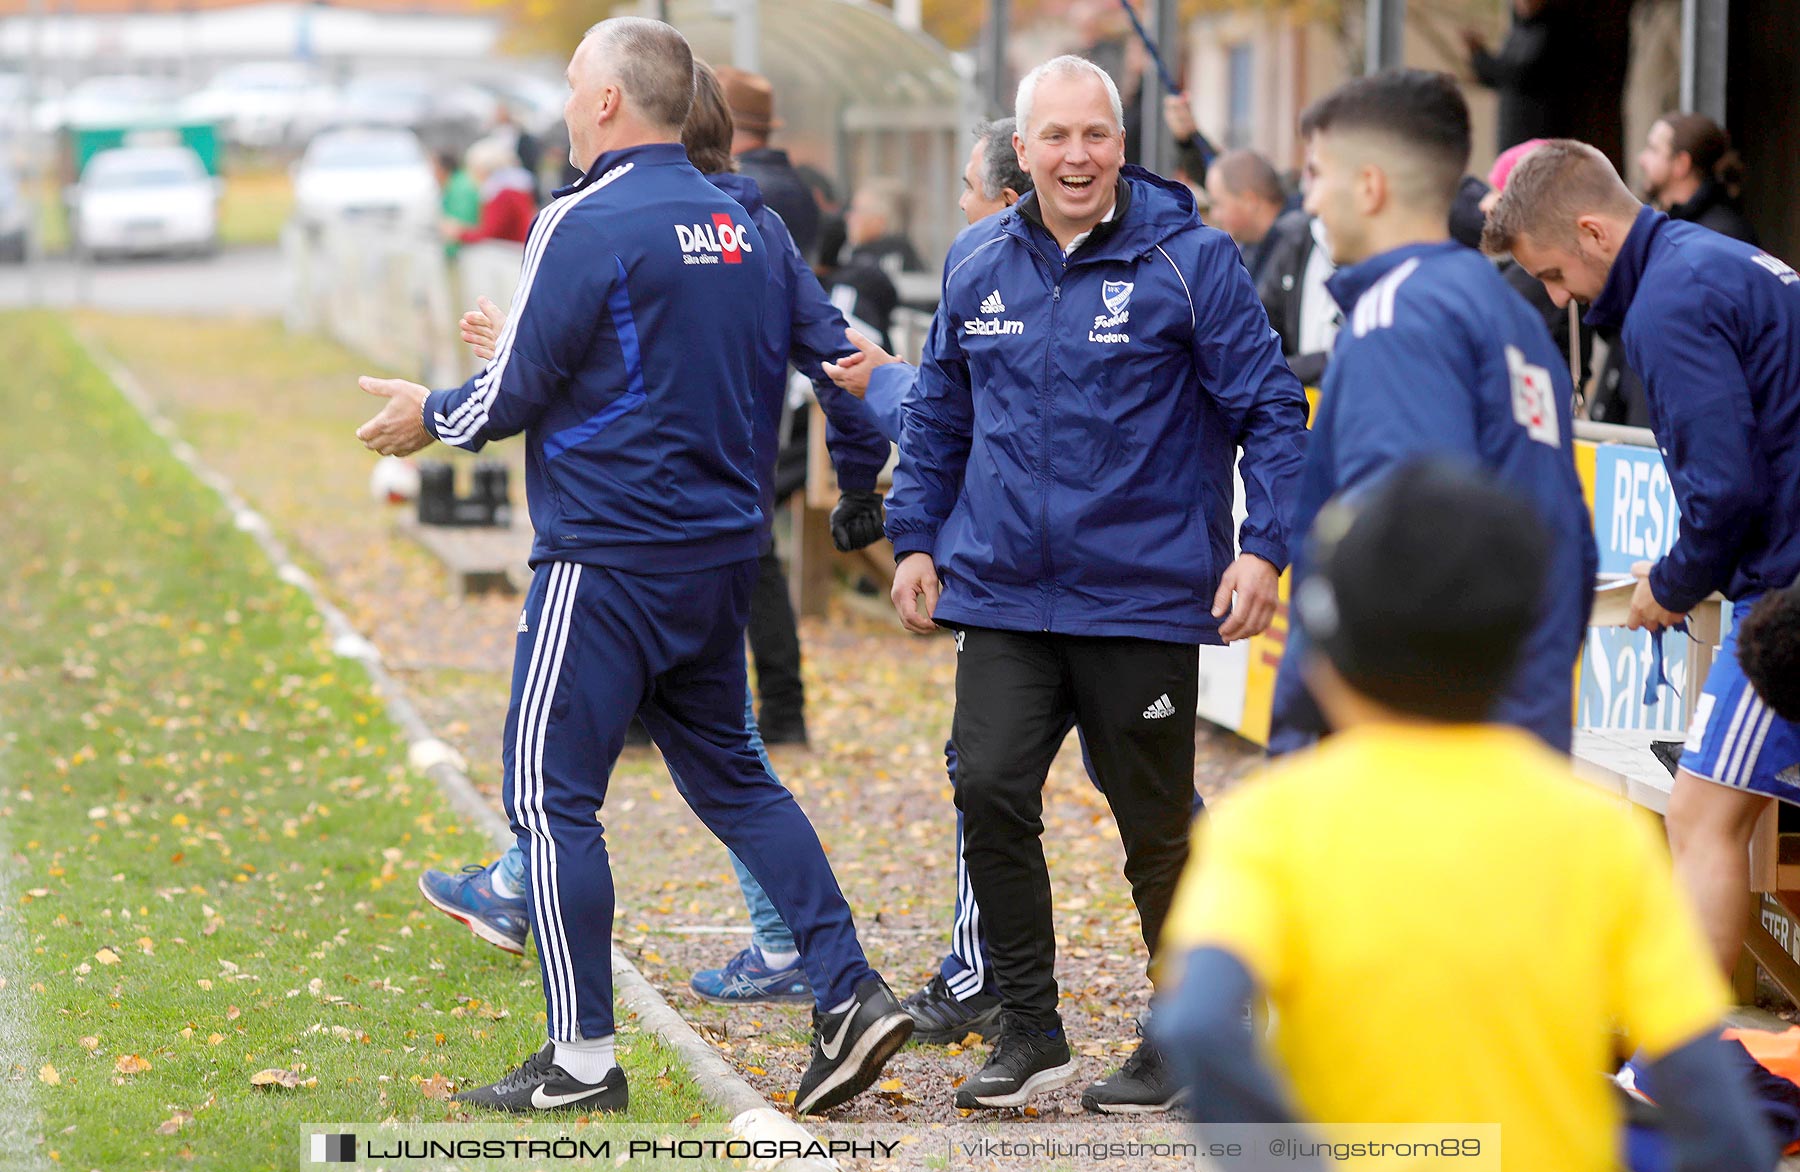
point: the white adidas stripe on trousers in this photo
(965, 936)
(528, 796)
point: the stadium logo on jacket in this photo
(990, 326)
(708, 244)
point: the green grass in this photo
(210, 837)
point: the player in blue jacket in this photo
(1063, 500)
(1713, 327)
(1437, 357)
(629, 361)
(803, 328)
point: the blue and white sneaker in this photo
(747, 977)
(470, 897)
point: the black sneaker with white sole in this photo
(850, 1048)
(939, 1018)
(1143, 1086)
(1024, 1063)
(541, 1085)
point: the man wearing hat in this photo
(752, 102)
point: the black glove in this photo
(856, 521)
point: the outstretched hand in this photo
(399, 428)
(852, 371)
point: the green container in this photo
(87, 141)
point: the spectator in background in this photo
(1247, 199)
(460, 201)
(1535, 72)
(1523, 283)
(1691, 172)
(507, 200)
(1194, 155)
(752, 102)
(526, 146)
(1292, 288)
(876, 251)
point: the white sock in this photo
(502, 886)
(587, 1059)
(846, 1003)
(777, 960)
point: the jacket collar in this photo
(1348, 284)
(1701, 202)
(1609, 309)
(741, 188)
(652, 154)
(1147, 211)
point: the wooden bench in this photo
(1621, 761)
(812, 558)
(479, 560)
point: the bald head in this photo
(1564, 215)
(631, 82)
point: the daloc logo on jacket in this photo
(707, 244)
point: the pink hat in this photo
(1510, 158)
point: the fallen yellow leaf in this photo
(90, 1043)
(436, 1087)
(275, 1077)
(131, 1064)
(214, 1039)
(892, 1084)
(47, 1074)
(107, 956)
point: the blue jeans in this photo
(766, 926)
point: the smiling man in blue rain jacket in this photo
(1438, 357)
(629, 362)
(1064, 500)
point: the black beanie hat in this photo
(1422, 589)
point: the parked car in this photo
(108, 99)
(264, 104)
(446, 115)
(367, 174)
(133, 200)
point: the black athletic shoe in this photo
(782, 730)
(850, 1048)
(1143, 1086)
(939, 1018)
(541, 1085)
(1023, 1064)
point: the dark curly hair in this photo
(1769, 650)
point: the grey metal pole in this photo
(1704, 42)
(746, 35)
(1157, 150)
(999, 83)
(1384, 34)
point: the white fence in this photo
(391, 295)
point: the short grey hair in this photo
(999, 161)
(653, 65)
(487, 156)
(1068, 65)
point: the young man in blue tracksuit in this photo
(802, 327)
(629, 360)
(1437, 357)
(1713, 327)
(1063, 501)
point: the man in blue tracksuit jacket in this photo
(798, 326)
(1437, 357)
(1713, 327)
(1063, 500)
(629, 360)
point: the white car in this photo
(134, 200)
(106, 100)
(264, 104)
(374, 175)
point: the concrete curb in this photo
(753, 1117)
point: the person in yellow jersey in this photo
(1447, 926)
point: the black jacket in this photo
(1535, 72)
(1282, 283)
(784, 190)
(1712, 207)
